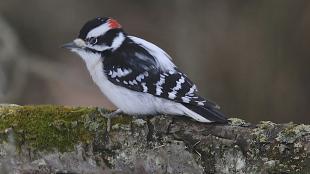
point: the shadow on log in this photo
(57, 139)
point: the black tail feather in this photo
(210, 113)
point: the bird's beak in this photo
(76, 44)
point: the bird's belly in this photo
(132, 102)
(129, 101)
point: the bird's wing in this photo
(137, 68)
(173, 85)
(162, 59)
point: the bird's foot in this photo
(109, 116)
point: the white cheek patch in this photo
(99, 47)
(98, 31)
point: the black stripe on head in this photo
(91, 25)
(109, 36)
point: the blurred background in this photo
(251, 57)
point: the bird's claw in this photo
(109, 116)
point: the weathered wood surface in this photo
(51, 139)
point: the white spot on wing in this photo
(200, 103)
(186, 99)
(144, 87)
(127, 71)
(172, 94)
(178, 85)
(120, 72)
(159, 84)
(113, 75)
(140, 77)
(191, 90)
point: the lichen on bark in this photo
(58, 138)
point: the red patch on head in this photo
(113, 24)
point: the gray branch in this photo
(49, 139)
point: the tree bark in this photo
(58, 139)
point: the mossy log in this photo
(58, 139)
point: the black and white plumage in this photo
(137, 76)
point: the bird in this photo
(137, 76)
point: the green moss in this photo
(123, 119)
(47, 127)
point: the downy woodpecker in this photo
(138, 77)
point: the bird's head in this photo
(96, 36)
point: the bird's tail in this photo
(206, 114)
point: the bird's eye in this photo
(92, 40)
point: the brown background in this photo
(251, 57)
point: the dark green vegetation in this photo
(48, 127)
